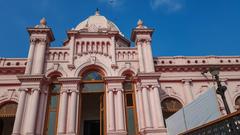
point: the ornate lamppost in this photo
(214, 71)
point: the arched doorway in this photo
(7, 117)
(169, 107)
(92, 120)
(237, 103)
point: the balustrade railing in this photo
(226, 125)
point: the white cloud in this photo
(169, 5)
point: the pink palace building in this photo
(96, 83)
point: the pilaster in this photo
(68, 99)
(116, 123)
(40, 37)
(187, 90)
(33, 86)
(150, 111)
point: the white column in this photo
(140, 105)
(62, 112)
(140, 56)
(19, 113)
(145, 56)
(149, 57)
(30, 58)
(158, 106)
(84, 47)
(153, 108)
(73, 107)
(41, 49)
(187, 91)
(33, 113)
(112, 49)
(111, 111)
(72, 48)
(120, 111)
(105, 51)
(40, 119)
(147, 113)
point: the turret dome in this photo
(97, 23)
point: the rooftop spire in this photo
(43, 21)
(139, 23)
(97, 12)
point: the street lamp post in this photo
(220, 88)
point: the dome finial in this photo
(43, 21)
(139, 23)
(97, 12)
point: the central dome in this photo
(97, 23)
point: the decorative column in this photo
(158, 106)
(19, 113)
(145, 56)
(62, 116)
(111, 110)
(67, 119)
(153, 107)
(140, 111)
(147, 112)
(42, 107)
(39, 59)
(73, 111)
(72, 48)
(143, 35)
(120, 112)
(112, 50)
(41, 35)
(149, 57)
(30, 57)
(33, 111)
(140, 56)
(187, 91)
(115, 106)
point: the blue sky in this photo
(182, 27)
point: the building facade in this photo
(98, 84)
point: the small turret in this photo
(142, 37)
(40, 38)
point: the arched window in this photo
(237, 103)
(7, 117)
(131, 117)
(52, 107)
(169, 107)
(92, 82)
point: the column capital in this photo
(36, 89)
(145, 86)
(156, 86)
(186, 81)
(74, 90)
(115, 89)
(23, 89)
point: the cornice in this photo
(69, 79)
(114, 78)
(195, 68)
(42, 30)
(153, 75)
(136, 31)
(30, 78)
(12, 70)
